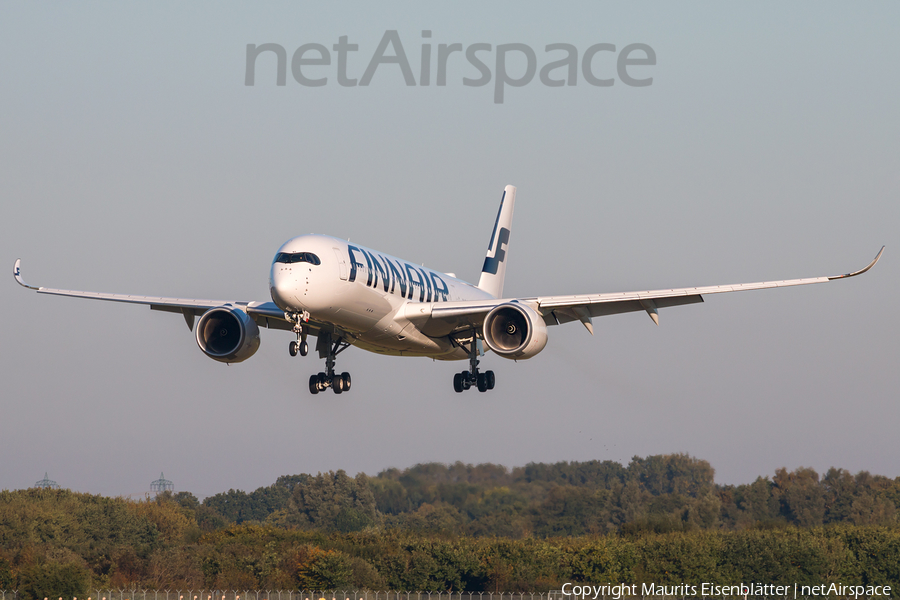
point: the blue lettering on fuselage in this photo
(380, 270)
(369, 269)
(398, 277)
(440, 288)
(354, 264)
(427, 284)
(415, 280)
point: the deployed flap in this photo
(494, 269)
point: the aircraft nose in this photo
(282, 288)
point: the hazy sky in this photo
(134, 159)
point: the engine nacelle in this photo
(227, 334)
(515, 331)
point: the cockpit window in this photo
(297, 257)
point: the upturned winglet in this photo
(18, 275)
(861, 271)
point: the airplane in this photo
(346, 295)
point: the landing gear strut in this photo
(299, 346)
(483, 381)
(329, 349)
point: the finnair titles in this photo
(346, 295)
(398, 277)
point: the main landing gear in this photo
(483, 381)
(328, 350)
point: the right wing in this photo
(266, 314)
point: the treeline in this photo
(658, 493)
(461, 527)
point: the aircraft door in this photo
(342, 263)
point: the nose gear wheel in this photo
(299, 346)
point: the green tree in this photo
(6, 577)
(53, 580)
(332, 501)
(390, 495)
(318, 569)
(757, 502)
(802, 498)
(672, 474)
(570, 510)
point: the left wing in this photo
(455, 316)
(266, 314)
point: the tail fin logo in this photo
(492, 263)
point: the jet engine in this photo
(515, 331)
(227, 334)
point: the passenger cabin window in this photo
(297, 257)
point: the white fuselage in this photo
(366, 293)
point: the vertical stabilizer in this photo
(494, 270)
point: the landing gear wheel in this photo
(483, 380)
(482, 384)
(292, 348)
(458, 385)
(313, 384)
(328, 348)
(304, 348)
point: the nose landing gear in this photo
(328, 350)
(299, 345)
(483, 381)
